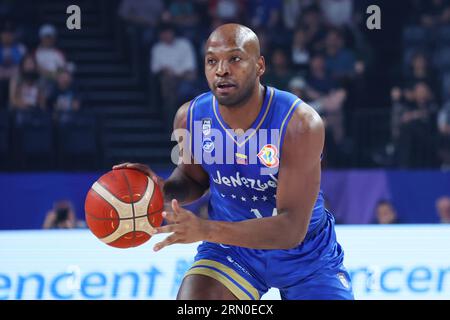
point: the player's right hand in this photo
(143, 168)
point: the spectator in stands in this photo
(48, 57)
(328, 96)
(419, 70)
(444, 135)
(292, 11)
(184, 16)
(279, 73)
(337, 13)
(26, 91)
(385, 213)
(340, 61)
(311, 21)
(62, 216)
(143, 15)
(173, 62)
(443, 209)
(64, 96)
(412, 128)
(11, 53)
(264, 13)
(300, 53)
(435, 12)
(297, 86)
(226, 10)
(318, 78)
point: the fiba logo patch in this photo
(208, 145)
(206, 126)
(268, 155)
(343, 280)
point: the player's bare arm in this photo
(299, 170)
(188, 181)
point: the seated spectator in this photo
(337, 13)
(319, 78)
(265, 13)
(225, 10)
(419, 70)
(297, 86)
(279, 73)
(62, 216)
(48, 57)
(64, 97)
(322, 103)
(26, 91)
(311, 21)
(412, 128)
(11, 53)
(444, 135)
(340, 61)
(443, 209)
(328, 96)
(143, 15)
(385, 213)
(184, 16)
(292, 10)
(435, 12)
(300, 52)
(173, 62)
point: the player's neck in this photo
(243, 116)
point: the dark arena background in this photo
(85, 85)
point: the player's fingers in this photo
(166, 242)
(159, 181)
(164, 229)
(176, 207)
(141, 167)
(169, 217)
(120, 166)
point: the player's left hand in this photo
(185, 226)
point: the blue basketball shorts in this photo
(312, 271)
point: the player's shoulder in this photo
(285, 99)
(304, 122)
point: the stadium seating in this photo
(33, 140)
(76, 140)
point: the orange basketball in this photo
(122, 207)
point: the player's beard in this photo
(240, 97)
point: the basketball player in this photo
(264, 230)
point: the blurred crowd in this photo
(63, 215)
(386, 213)
(421, 95)
(312, 48)
(35, 78)
(320, 50)
(317, 49)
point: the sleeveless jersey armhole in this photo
(285, 122)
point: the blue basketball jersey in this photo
(243, 174)
(243, 169)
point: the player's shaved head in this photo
(235, 36)
(233, 64)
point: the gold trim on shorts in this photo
(216, 270)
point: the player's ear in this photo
(260, 66)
